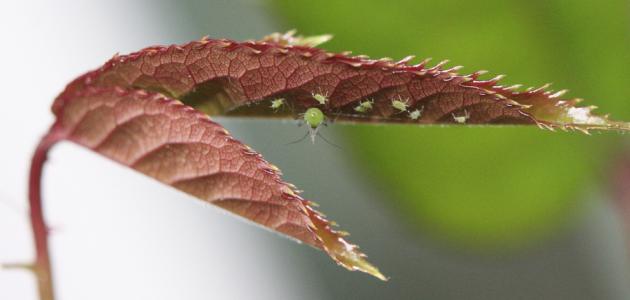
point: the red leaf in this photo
(223, 77)
(182, 147)
(130, 111)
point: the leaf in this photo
(182, 147)
(144, 110)
(223, 77)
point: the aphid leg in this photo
(328, 142)
(312, 133)
(300, 121)
(298, 140)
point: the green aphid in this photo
(400, 105)
(321, 98)
(314, 117)
(414, 115)
(277, 103)
(364, 106)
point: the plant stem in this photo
(41, 266)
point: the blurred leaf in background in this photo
(488, 188)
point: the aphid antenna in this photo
(319, 91)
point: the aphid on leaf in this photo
(364, 106)
(277, 103)
(461, 119)
(321, 98)
(400, 104)
(315, 118)
(414, 115)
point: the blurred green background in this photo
(465, 212)
(488, 188)
(461, 212)
(445, 212)
(487, 212)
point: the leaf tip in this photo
(349, 257)
(361, 264)
(342, 252)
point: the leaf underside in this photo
(150, 110)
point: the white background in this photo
(116, 234)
